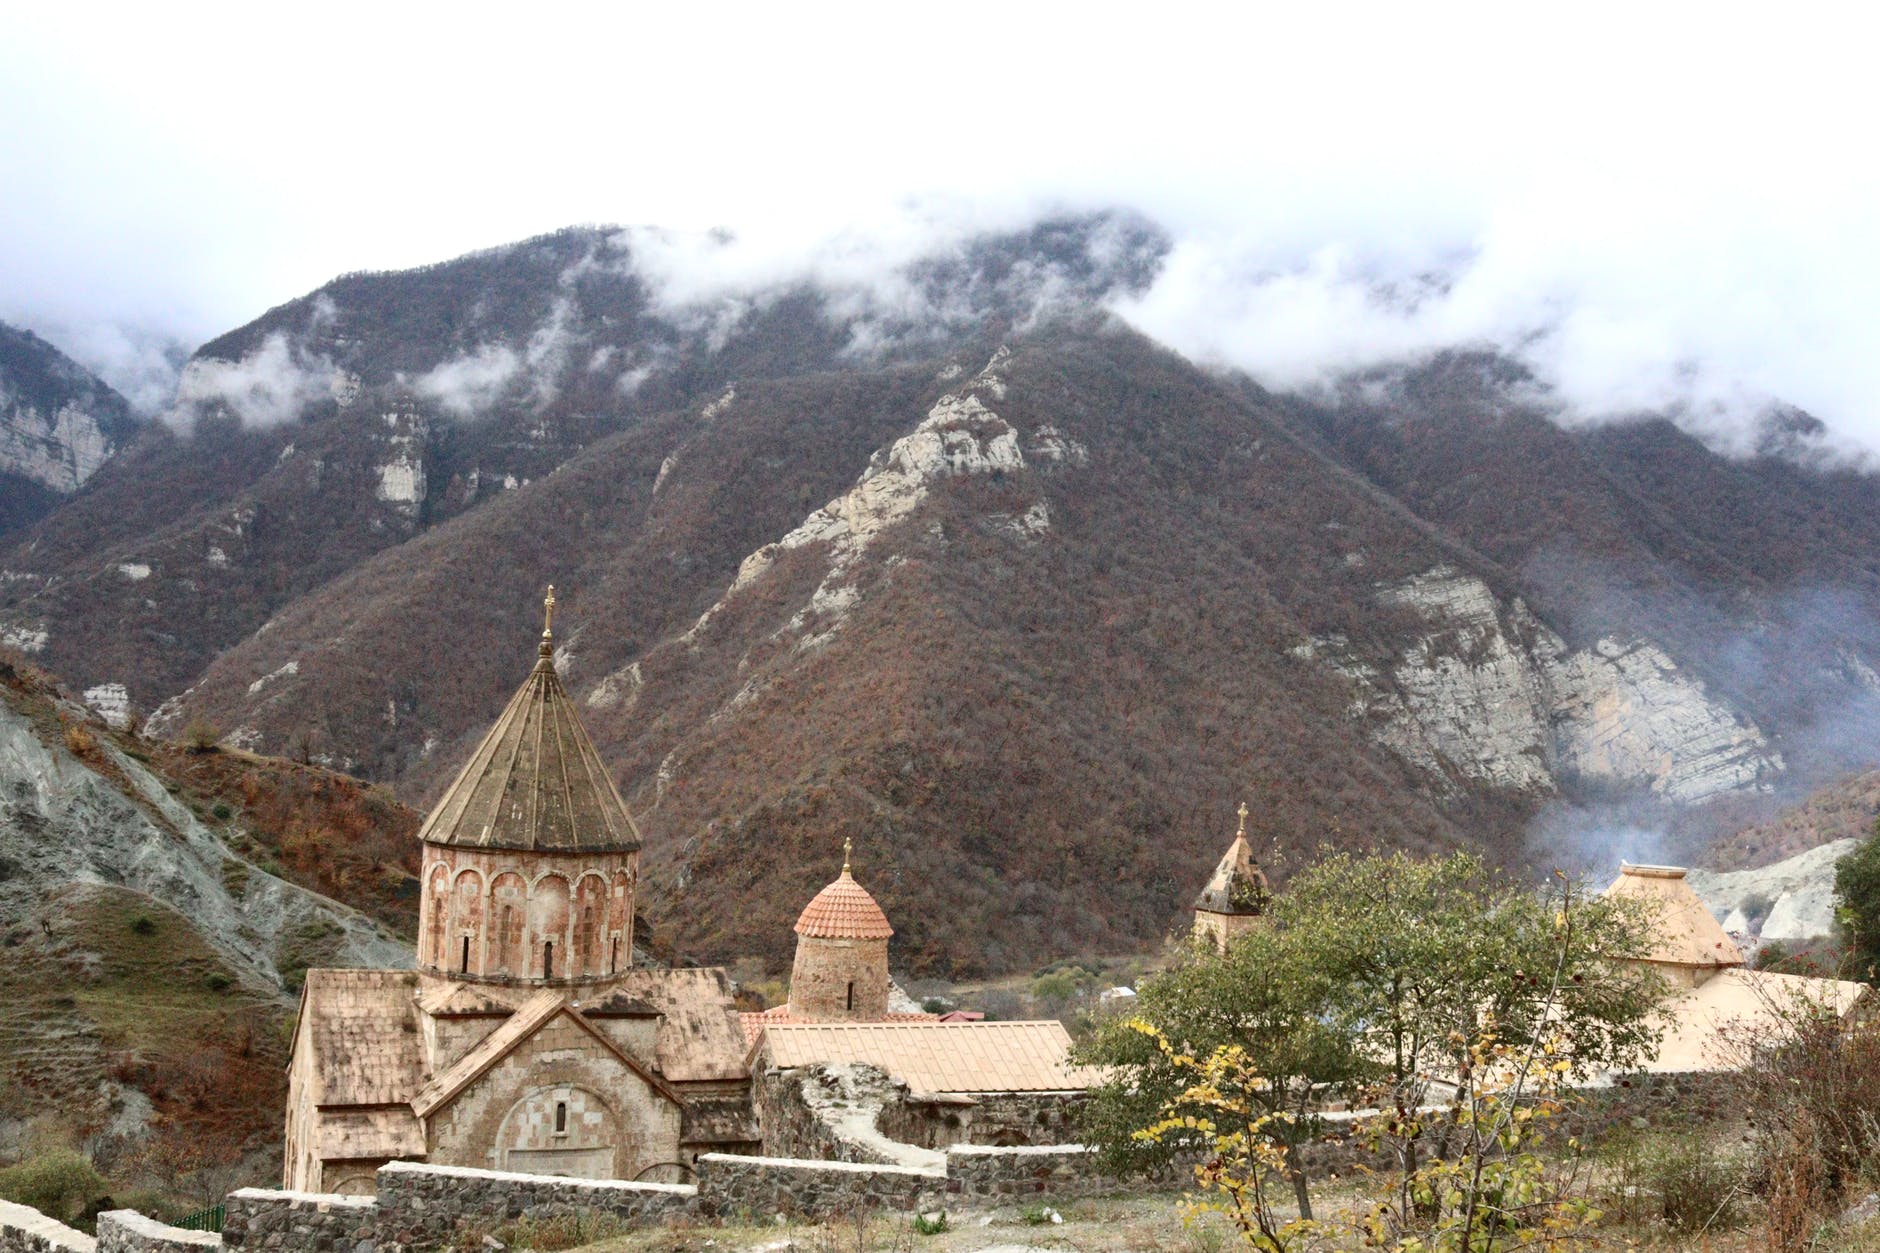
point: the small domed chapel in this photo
(525, 1040)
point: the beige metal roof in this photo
(1687, 933)
(535, 782)
(363, 1027)
(1704, 1027)
(937, 1057)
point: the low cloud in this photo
(470, 385)
(272, 384)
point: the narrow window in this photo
(466, 955)
(851, 1004)
(561, 1117)
(613, 962)
(548, 959)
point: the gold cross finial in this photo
(848, 846)
(1243, 819)
(548, 612)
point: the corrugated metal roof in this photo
(938, 1057)
(535, 783)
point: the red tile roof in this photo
(844, 911)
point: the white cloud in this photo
(470, 384)
(271, 384)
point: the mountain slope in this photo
(960, 568)
(151, 936)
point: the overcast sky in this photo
(1654, 205)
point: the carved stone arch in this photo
(560, 1129)
(465, 954)
(509, 907)
(436, 909)
(590, 925)
(550, 902)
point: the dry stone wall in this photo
(127, 1231)
(757, 1187)
(420, 1206)
(26, 1230)
(303, 1222)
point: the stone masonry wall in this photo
(26, 1230)
(976, 1170)
(422, 1206)
(758, 1187)
(995, 1118)
(127, 1231)
(300, 1222)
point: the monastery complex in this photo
(525, 1040)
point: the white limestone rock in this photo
(27, 639)
(1488, 694)
(1791, 901)
(112, 702)
(401, 476)
(59, 450)
(135, 571)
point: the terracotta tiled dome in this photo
(844, 911)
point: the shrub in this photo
(218, 982)
(59, 1183)
(78, 741)
(143, 924)
(934, 1226)
(1696, 1187)
(201, 737)
(222, 811)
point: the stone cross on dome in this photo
(848, 846)
(548, 621)
(1243, 815)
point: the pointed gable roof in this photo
(535, 783)
(1687, 933)
(534, 1014)
(1238, 885)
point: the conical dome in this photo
(1238, 886)
(535, 783)
(844, 911)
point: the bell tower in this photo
(1237, 895)
(841, 968)
(531, 858)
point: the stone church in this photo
(525, 1040)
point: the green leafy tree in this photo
(1857, 905)
(1265, 998)
(1370, 970)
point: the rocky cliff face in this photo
(1483, 692)
(58, 425)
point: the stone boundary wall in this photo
(262, 1218)
(127, 1231)
(421, 1206)
(731, 1185)
(26, 1230)
(977, 1170)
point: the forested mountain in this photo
(952, 562)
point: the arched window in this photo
(851, 1004)
(561, 1117)
(548, 959)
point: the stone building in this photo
(1715, 1003)
(1236, 897)
(524, 1040)
(840, 973)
